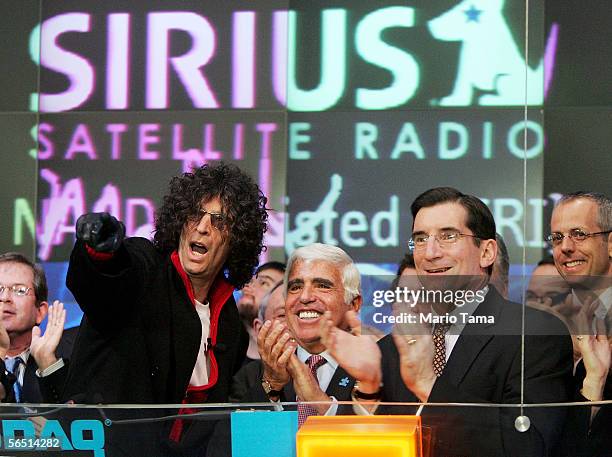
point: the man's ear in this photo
(610, 246)
(41, 312)
(257, 324)
(488, 253)
(356, 303)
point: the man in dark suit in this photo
(295, 365)
(37, 361)
(160, 323)
(581, 240)
(473, 352)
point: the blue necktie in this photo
(12, 365)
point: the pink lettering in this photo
(118, 57)
(209, 143)
(116, 130)
(132, 205)
(145, 138)
(81, 143)
(45, 142)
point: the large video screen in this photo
(344, 111)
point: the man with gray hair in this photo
(321, 282)
(581, 240)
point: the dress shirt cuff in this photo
(333, 408)
(51, 368)
(277, 405)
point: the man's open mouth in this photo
(198, 248)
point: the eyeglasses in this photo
(444, 239)
(555, 299)
(17, 289)
(218, 220)
(576, 235)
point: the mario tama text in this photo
(430, 318)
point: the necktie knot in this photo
(314, 362)
(13, 364)
(441, 329)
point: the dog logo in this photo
(489, 59)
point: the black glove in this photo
(100, 231)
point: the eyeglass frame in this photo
(412, 247)
(13, 290)
(555, 299)
(573, 236)
(217, 220)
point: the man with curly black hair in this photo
(160, 323)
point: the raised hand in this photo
(305, 385)
(100, 231)
(358, 354)
(415, 346)
(276, 346)
(596, 356)
(43, 347)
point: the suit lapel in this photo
(473, 338)
(30, 392)
(340, 385)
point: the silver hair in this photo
(604, 206)
(265, 301)
(351, 279)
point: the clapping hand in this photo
(43, 347)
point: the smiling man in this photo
(581, 239)
(35, 359)
(160, 323)
(453, 241)
(295, 364)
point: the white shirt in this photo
(199, 377)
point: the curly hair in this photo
(242, 202)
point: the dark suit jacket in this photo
(581, 436)
(139, 341)
(247, 388)
(485, 367)
(49, 388)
